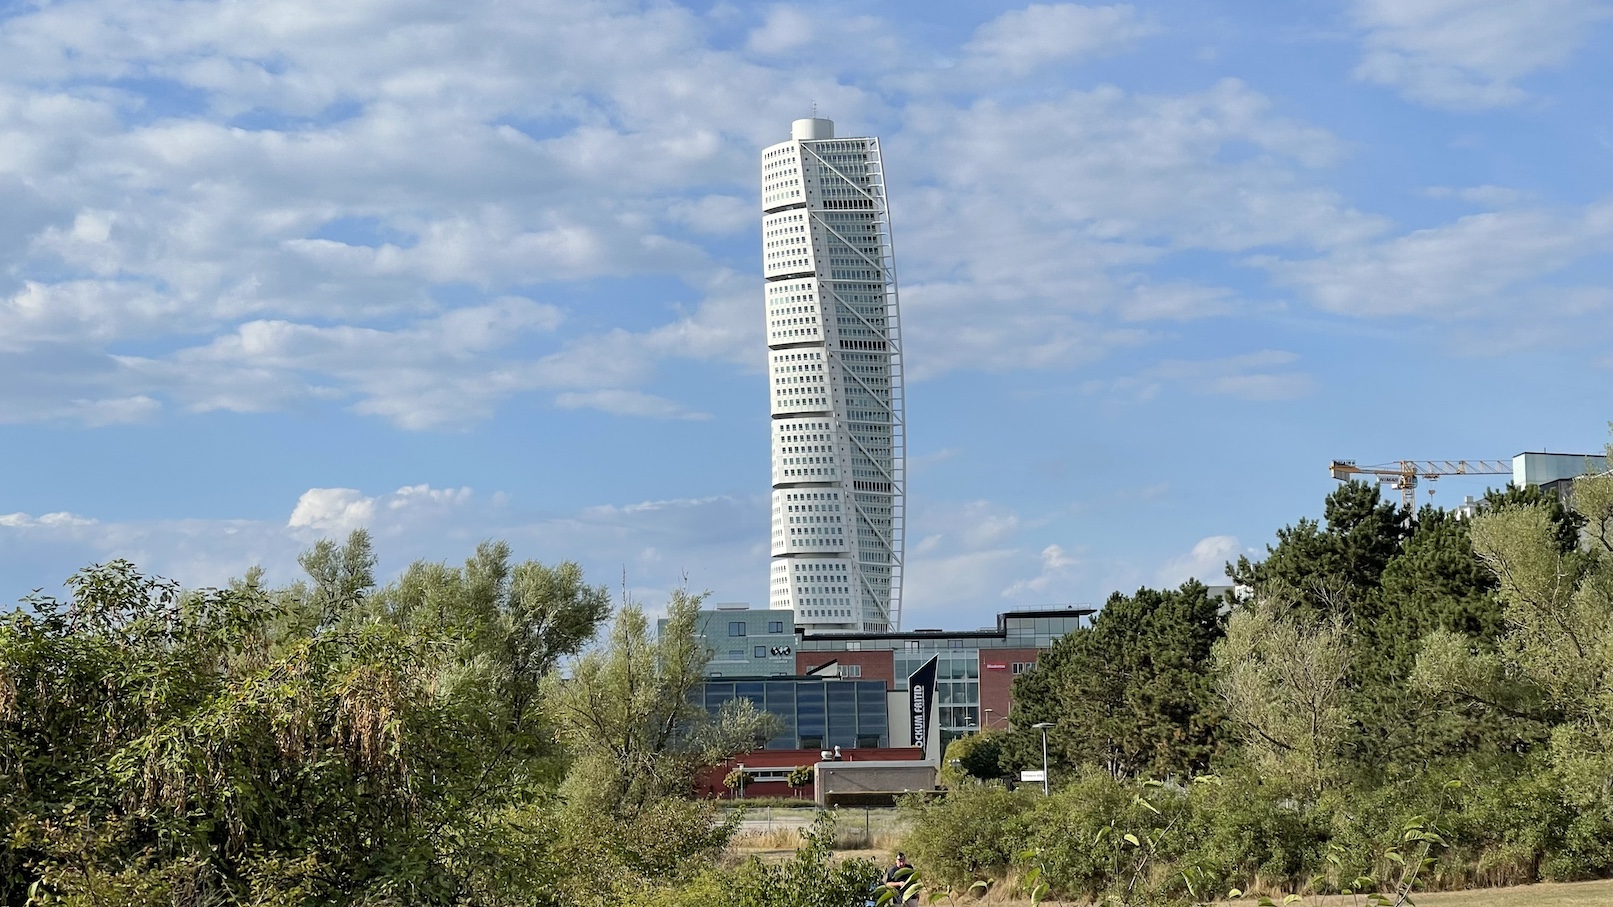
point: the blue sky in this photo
(272, 270)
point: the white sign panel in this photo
(1037, 775)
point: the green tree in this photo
(1437, 588)
(629, 717)
(973, 757)
(736, 780)
(1335, 566)
(1559, 613)
(1391, 579)
(800, 777)
(1284, 675)
(314, 744)
(1130, 692)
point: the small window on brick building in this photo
(1021, 667)
(851, 670)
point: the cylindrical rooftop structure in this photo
(812, 128)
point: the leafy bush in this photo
(973, 832)
(1254, 835)
(1586, 851)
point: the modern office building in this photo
(835, 377)
(1555, 472)
(746, 643)
(974, 669)
(821, 685)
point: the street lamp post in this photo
(1043, 726)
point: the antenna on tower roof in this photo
(814, 108)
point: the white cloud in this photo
(717, 542)
(1205, 563)
(1263, 375)
(1469, 54)
(1058, 569)
(715, 215)
(1020, 41)
(974, 555)
(359, 184)
(257, 207)
(439, 371)
(1481, 265)
(814, 35)
(1485, 196)
(116, 410)
(627, 403)
(425, 495)
(332, 510)
(786, 28)
(54, 521)
(1030, 242)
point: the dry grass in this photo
(875, 833)
(1545, 894)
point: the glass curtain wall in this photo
(813, 714)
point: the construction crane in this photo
(1404, 474)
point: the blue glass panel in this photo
(780, 695)
(842, 735)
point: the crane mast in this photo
(1404, 475)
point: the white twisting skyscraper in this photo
(835, 368)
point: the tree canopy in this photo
(441, 739)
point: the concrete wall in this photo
(774, 762)
(870, 782)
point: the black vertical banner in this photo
(921, 696)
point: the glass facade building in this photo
(753, 650)
(962, 659)
(814, 713)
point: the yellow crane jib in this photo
(1403, 475)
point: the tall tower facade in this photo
(834, 350)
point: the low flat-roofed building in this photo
(852, 691)
(975, 669)
(1554, 472)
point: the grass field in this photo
(773, 834)
(1546, 894)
